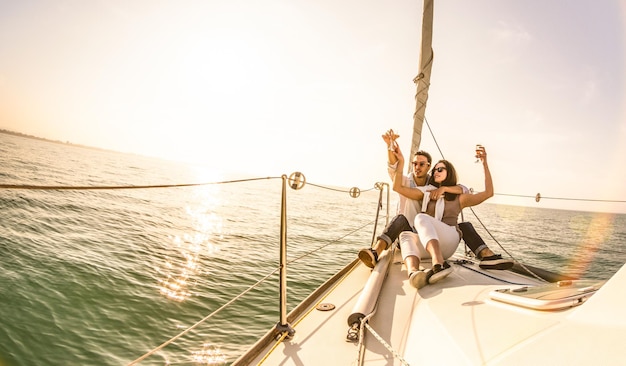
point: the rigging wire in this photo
(514, 195)
(502, 247)
(471, 209)
(519, 195)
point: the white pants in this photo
(429, 228)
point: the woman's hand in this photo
(468, 200)
(481, 154)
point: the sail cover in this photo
(422, 80)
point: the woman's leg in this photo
(435, 252)
(410, 252)
(411, 247)
(441, 239)
(441, 242)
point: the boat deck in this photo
(454, 321)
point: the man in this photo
(408, 209)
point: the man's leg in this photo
(488, 259)
(369, 256)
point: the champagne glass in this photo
(479, 148)
(393, 145)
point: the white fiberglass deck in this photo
(452, 322)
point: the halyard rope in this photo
(384, 343)
(361, 346)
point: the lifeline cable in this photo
(89, 188)
(94, 188)
(559, 198)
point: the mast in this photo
(422, 80)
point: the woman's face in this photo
(440, 172)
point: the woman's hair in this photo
(450, 180)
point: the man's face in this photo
(420, 166)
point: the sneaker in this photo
(369, 257)
(495, 262)
(439, 272)
(418, 279)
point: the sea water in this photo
(101, 277)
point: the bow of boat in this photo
(457, 321)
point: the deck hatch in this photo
(553, 296)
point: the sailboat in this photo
(521, 316)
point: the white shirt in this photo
(406, 206)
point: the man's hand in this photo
(390, 139)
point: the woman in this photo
(437, 225)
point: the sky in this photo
(270, 87)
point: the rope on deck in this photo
(384, 343)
